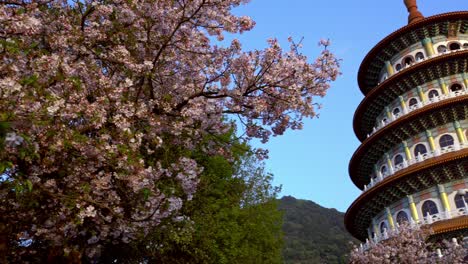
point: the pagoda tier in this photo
(413, 82)
(400, 41)
(403, 135)
(363, 213)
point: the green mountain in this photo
(313, 234)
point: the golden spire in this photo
(414, 14)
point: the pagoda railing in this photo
(375, 179)
(417, 106)
(437, 54)
(427, 220)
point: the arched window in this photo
(459, 200)
(412, 101)
(398, 67)
(465, 46)
(398, 159)
(402, 217)
(419, 56)
(433, 93)
(454, 46)
(429, 207)
(385, 120)
(441, 49)
(408, 61)
(445, 141)
(383, 169)
(396, 111)
(383, 227)
(420, 149)
(455, 87)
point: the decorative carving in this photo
(414, 14)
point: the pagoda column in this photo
(375, 227)
(389, 67)
(461, 137)
(407, 151)
(421, 94)
(389, 163)
(443, 86)
(465, 80)
(403, 104)
(389, 114)
(414, 211)
(443, 197)
(428, 47)
(430, 139)
(378, 173)
(390, 218)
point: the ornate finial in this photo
(414, 14)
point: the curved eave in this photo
(450, 225)
(372, 149)
(403, 81)
(401, 39)
(402, 183)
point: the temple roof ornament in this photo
(414, 14)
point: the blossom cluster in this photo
(411, 246)
(95, 92)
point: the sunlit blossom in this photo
(98, 92)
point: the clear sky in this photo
(313, 163)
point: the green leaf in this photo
(29, 184)
(146, 193)
(5, 165)
(86, 187)
(29, 80)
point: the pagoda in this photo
(412, 164)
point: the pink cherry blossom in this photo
(96, 93)
(410, 245)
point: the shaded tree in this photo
(233, 218)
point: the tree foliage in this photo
(106, 101)
(233, 218)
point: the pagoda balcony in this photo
(437, 54)
(376, 179)
(433, 221)
(419, 105)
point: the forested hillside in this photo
(313, 234)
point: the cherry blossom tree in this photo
(410, 245)
(102, 102)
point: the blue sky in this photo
(313, 163)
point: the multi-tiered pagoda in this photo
(412, 164)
